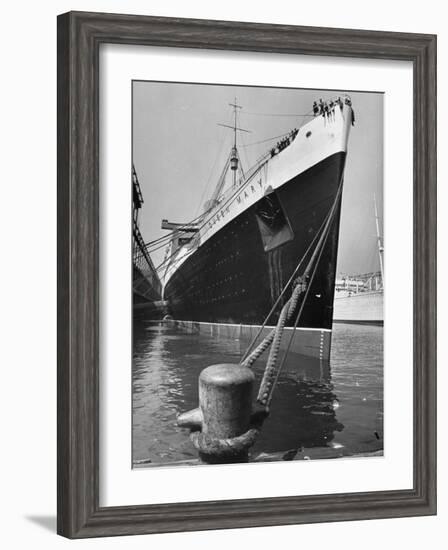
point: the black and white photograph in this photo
(258, 274)
(224, 332)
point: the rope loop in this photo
(224, 448)
(218, 450)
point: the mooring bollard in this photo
(225, 399)
(224, 414)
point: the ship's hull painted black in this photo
(231, 279)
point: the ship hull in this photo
(233, 279)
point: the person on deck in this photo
(321, 107)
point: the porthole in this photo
(308, 133)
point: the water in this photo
(322, 410)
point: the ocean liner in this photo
(224, 271)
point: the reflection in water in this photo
(314, 406)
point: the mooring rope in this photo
(266, 391)
(302, 286)
(266, 386)
(285, 288)
(224, 448)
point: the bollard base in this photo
(241, 458)
(224, 451)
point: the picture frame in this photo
(80, 35)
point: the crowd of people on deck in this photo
(283, 143)
(324, 108)
(327, 108)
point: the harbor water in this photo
(319, 410)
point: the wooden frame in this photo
(79, 37)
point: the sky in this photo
(179, 151)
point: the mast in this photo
(234, 156)
(378, 238)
